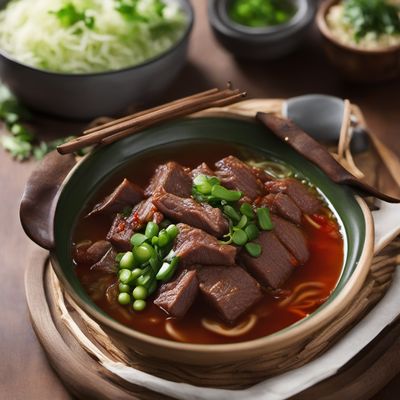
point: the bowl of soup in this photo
(361, 38)
(85, 59)
(191, 243)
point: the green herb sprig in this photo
(20, 142)
(376, 16)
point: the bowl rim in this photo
(300, 13)
(186, 6)
(327, 33)
(276, 340)
(230, 28)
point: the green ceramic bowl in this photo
(91, 172)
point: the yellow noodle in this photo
(298, 289)
(312, 222)
(237, 330)
(173, 332)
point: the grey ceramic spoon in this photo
(321, 117)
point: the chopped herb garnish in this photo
(20, 142)
(371, 16)
(69, 15)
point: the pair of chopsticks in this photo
(117, 129)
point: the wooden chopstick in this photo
(130, 131)
(133, 123)
(150, 110)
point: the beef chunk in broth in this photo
(172, 178)
(275, 264)
(195, 246)
(292, 238)
(120, 233)
(123, 227)
(89, 253)
(107, 263)
(127, 194)
(230, 290)
(202, 169)
(282, 204)
(299, 193)
(177, 296)
(189, 211)
(237, 175)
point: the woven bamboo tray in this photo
(84, 333)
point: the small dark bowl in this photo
(354, 63)
(86, 96)
(264, 43)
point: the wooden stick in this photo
(150, 110)
(168, 111)
(344, 129)
(130, 131)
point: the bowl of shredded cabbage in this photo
(85, 58)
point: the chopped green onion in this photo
(243, 222)
(144, 280)
(137, 239)
(118, 257)
(140, 293)
(124, 288)
(127, 261)
(223, 193)
(136, 273)
(264, 219)
(124, 299)
(125, 276)
(239, 237)
(151, 230)
(231, 213)
(163, 238)
(247, 210)
(139, 305)
(143, 253)
(254, 249)
(172, 231)
(252, 231)
(167, 270)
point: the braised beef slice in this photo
(189, 211)
(120, 233)
(202, 169)
(275, 264)
(89, 253)
(230, 290)
(299, 193)
(123, 227)
(292, 238)
(195, 246)
(282, 204)
(177, 296)
(237, 175)
(107, 262)
(127, 194)
(172, 178)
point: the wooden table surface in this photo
(24, 371)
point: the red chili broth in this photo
(324, 264)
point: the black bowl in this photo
(264, 43)
(86, 96)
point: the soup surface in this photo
(309, 285)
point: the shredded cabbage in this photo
(86, 36)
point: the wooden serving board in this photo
(360, 379)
